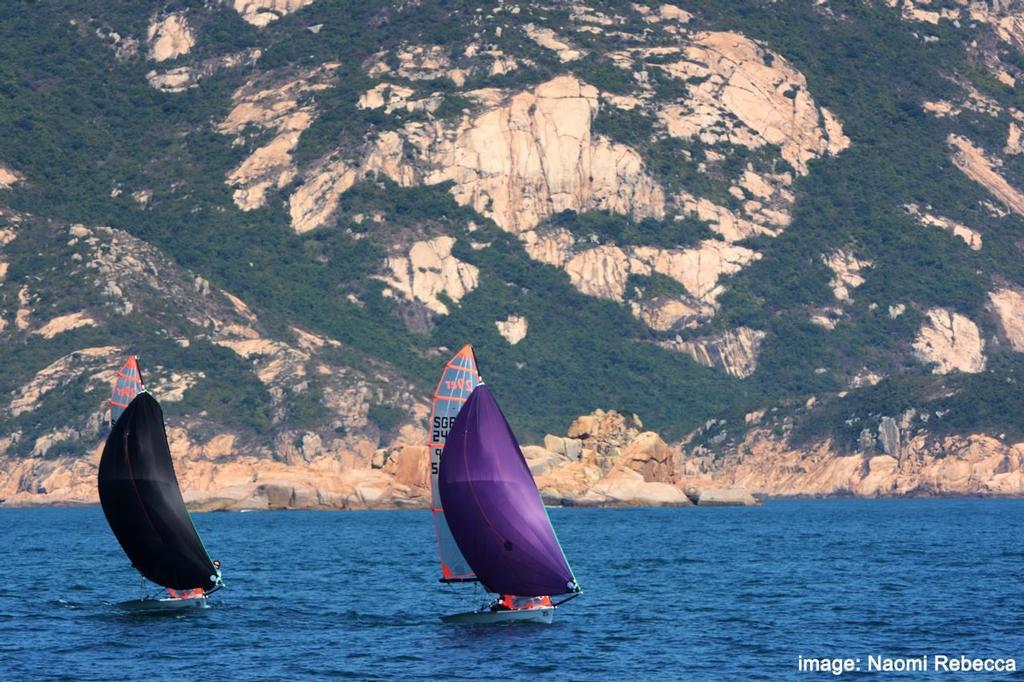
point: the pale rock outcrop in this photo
(584, 14)
(170, 37)
(9, 177)
(608, 461)
(1008, 306)
(970, 237)
(553, 247)
(391, 98)
(741, 93)
(912, 12)
(263, 12)
(513, 328)
(65, 369)
(314, 203)
(627, 487)
(182, 78)
(430, 269)
(846, 269)
(951, 341)
(733, 496)
(280, 107)
(698, 269)
(65, 323)
(973, 162)
(517, 162)
(735, 351)
(663, 314)
(427, 62)
(603, 271)
(670, 13)
(548, 39)
(1014, 141)
(727, 223)
(957, 465)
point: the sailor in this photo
(216, 577)
(510, 602)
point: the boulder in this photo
(726, 497)
(625, 487)
(541, 460)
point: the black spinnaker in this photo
(143, 504)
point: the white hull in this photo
(165, 604)
(542, 615)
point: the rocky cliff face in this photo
(128, 287)
(961, 465)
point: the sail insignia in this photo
(126, 387)
(459, 378)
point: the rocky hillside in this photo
(785, 236)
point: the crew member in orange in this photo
(197, 592)
(510, 602)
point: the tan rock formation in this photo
(1014, 140)
(182, 78)
(957, 465)
(735, 351)
(517, 163)
(423, 62)
(975, 165)
(727, 223)
(430, 269)
(625, 487)
(513, 328)
(281, 107)
(551, 247)
(548, 39)
(1008, 306)
(951, 341)
(87, 361)
(601, 272)
(722, 497)
(970, 237)
(663, 314)
(9, 177)
(391, 98)
(737, 94)
(170, 37)
(65, 323)
(846, 269)
(263, 12)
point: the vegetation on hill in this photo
(87, 131)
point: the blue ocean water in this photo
(728, 593)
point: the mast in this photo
(459, 378)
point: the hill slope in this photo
(793, 221)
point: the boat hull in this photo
(165, 604)
(542, 615)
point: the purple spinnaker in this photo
(493, 508)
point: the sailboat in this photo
(141, 499)
(486, 502)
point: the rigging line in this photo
(569, 598)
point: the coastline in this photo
(761, 501)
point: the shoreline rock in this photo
(605, 460)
